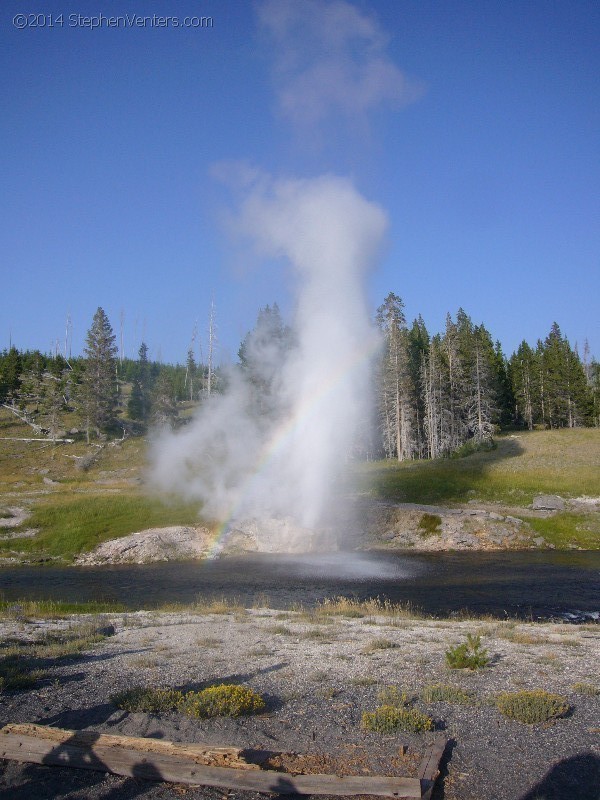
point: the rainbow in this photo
(287, 429)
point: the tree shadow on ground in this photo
(78, 718)
(445, 480)
(35, 781)
(575, 778)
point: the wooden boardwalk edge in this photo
(158, 760)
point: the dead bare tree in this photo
(212, 338)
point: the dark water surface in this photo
(525, 584)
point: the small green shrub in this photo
(392, 696)
(16, 673)
(355, 609)
(468, 655)
(474, 446)
(314, 633)
(148, 700)
(521, 637)
(217, 605)
(443, 693)
(226, 700)
(261, 650)
(531, 706)
(586, 688)
(387, 719)
(378, 644)
(429, 524)
(280, 630)
(209, 641)
(363, 680)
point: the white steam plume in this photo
(330, 60)
(240, 464)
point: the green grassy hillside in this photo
(563, 462)
(523, 465)
(73, 504)
(76, 505)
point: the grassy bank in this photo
(563, 462)
(80, 496)
(54, 609)
(70, 525)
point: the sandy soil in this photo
(318, 676)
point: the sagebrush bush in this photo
(392, 696)
(586, 688)
(468, 655)
(378, 644)
(429, 524)
(443, 693)
(148, 700)
(531, 706)
(227, 700)
(387, 719)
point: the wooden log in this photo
(429, 767)
(37, 439)
(197, 752)
(175, 763)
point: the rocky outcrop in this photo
(13, 516)
(155, 544)
(365, 525)
(426, 527)
(548, 502)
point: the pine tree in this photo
(135, 404)
(594, 382)
(164, 400)
(144, 377)
(10, 375)
(190, 373)
(53, 401)
(436, 401)
(418, 348)
(397, 398)
(99, 385)
(505, 400)
(567, 401)
(31, 382)
(456, 357)
(524, 374)
(481, 408)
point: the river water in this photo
(525, 584)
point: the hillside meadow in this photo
(77, 496)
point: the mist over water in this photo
(350, 566)
(286, 465)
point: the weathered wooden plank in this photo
(199, 752)
(164, 766)
(429, 767)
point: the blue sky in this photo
(475, 125)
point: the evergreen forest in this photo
(436, 395)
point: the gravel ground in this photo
(318, 676)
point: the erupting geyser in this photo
(285, 467)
